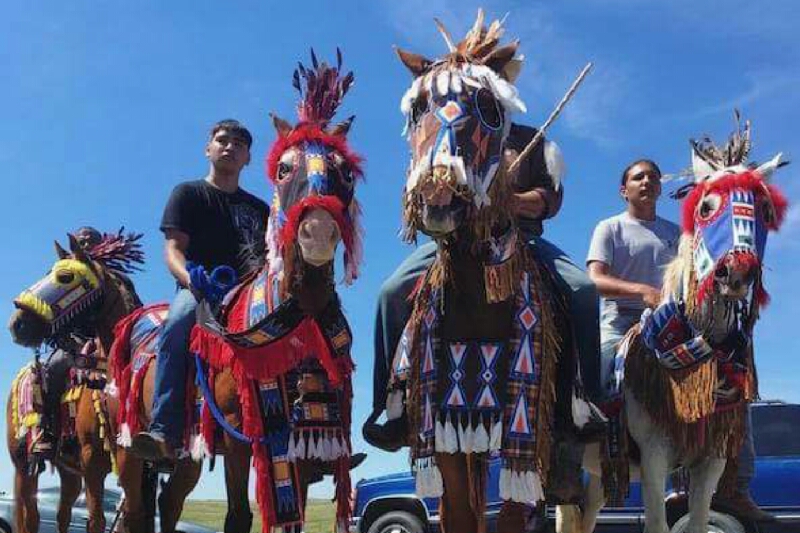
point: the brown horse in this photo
(477, 368)
(86, 291)
(279, 346)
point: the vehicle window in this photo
(776, 430)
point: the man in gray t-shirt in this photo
(627, 258)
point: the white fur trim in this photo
(198, 448)
(520, 486)
(580, 411)
(124, 438)
(428, 478)
(554, 160)
(438, 439)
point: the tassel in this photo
(312, 447)
(535, 482)
(300, 449)
(450, 436)
(438, 438)
(290, 448)
(580, 411)
(497, 435)
(469, 438)
(327, 449)
(481, 442)
(505, 484)
(336, 449)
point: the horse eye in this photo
(284, 169)
(489, 110)
(709, 206)
(65, 277)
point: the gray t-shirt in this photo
(637, 251)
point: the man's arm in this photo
(612, 286)
(544, 194)
(175, 254)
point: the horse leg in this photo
(457, 515)
(703, 478)
(26, 510)
(70, 490)
(130, 479)
(95, 466)
(175, 491)
(237, 476)
(595, 500)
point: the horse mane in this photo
(119, 252)
(679, 270)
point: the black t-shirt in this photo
(220, 225)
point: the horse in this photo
(273, 361)
(476, 370)
(82, 297)
(689, 370)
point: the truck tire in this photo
(397, 522)
(717, 523)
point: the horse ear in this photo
(281, 126)
(60, 251)
(767, 169)
(343, 127)
(76, 249)
(500, 57)
(416, 63)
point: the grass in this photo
(211, 513)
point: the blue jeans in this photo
(394, 310)
(172, 361)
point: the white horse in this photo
(674, 409)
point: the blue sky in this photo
(105, 106)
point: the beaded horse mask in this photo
(458, 116)
(314, 173)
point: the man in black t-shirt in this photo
(207, 223)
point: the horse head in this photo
(726, 218)
(458, 117)
(314, 173)
(83, 283)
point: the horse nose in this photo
(737, 270)
(318, 227)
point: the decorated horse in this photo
(273, 365)
(688, 366)
(476, 371)
(57, 409)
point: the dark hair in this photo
(648, 162)
(233, 127)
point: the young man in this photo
(207, 222)
(536, 200)
(626, 260)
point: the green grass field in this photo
(211, 513)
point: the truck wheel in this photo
(397, 522)
(717, 523)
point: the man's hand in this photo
(651, 296)
(529, 204)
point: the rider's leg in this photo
(583, 309)
(394, 310)
(169, 392)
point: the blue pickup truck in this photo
(387, 504)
